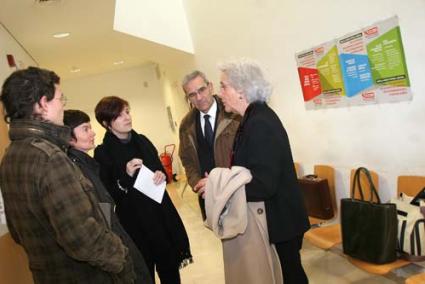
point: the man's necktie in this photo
(208, 132)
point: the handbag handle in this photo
(356, 180)
(353, 187)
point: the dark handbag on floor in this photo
(317, 197)
(369, 230)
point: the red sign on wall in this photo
(310, 82)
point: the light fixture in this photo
(61, 35)
(119, 62)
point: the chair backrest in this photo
(410, 185)
(328, 172)
(297, 167)
(365, 185)
(14, 267)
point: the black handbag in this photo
(369, 230)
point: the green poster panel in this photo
(330, 73)
(387, 61)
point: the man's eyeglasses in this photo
(63, 99)
(200, 91)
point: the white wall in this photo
(140, 86)
(175, 99)
(9, 46)
(160, 21)
(387, 138)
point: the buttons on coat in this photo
(260, 211)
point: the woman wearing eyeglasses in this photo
(262, 146)
(156, 228)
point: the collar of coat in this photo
(27, 128)
(189, 121)
(83, 158)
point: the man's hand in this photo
(199, 188)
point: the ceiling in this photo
(93, 45)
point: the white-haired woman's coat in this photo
(248, 255)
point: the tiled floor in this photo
(329, 267)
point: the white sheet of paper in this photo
(144, 184)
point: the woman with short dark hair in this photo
(155, 227)
(82, 141)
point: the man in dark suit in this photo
(206, 133)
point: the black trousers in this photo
(167, 273)
(156, 257)
(290, 261)
(202, 206)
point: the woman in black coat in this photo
(82, 141)
(156, 228)
(262, 146)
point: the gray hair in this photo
(246, 76)
(189, 77)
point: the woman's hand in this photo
(158, 177)
(133, 165)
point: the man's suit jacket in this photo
(224, 134)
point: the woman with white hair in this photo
(262, 146)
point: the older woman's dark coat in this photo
(262, 146)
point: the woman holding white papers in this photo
(156, 228)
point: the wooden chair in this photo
(379, 269)
(410, 185)
(416, 279)
(13, 262)
(326, 237)
(327, 172)
(297, 167)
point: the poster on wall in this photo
(367, 66)
(320, 76)
(355, 68)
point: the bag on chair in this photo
(411, 226)
(317, 197)
(369, 230)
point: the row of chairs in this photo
(326, 234)
(14, 262)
